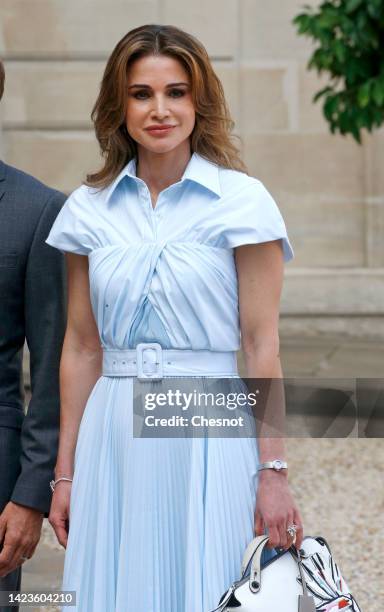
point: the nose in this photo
(160, 108)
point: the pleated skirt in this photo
(155, 524)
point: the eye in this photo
(177, 93)
(140, 95)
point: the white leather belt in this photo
(151, 361)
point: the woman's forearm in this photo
(80, 368)
(263, 362)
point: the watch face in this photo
(277, 464)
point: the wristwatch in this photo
(277, 465)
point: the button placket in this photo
(155, 215)
(145, 197)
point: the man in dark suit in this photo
(32, 308)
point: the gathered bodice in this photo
(168, 274)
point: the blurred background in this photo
(329, 188)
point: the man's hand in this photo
(20, 530)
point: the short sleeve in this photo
(72, 229)
(252, 217)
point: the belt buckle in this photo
(157, 374)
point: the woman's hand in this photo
(59, 512)
(276, 510)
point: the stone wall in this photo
(330, 190)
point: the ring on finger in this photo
(291, 530)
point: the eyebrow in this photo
(149, 87)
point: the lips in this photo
(159, 127)
(160, 131)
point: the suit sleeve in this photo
(45, 320)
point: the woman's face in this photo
(159, 94)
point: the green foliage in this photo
(349, 46)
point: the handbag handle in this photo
(253, 552)
(257, 544)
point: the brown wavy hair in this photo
(211, 136)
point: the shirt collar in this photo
(206, 173)
(199, 170)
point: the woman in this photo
(166, 246)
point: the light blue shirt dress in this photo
(160, 524)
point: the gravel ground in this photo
(338, 486)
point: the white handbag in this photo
(308, 581)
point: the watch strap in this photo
(276, 464)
